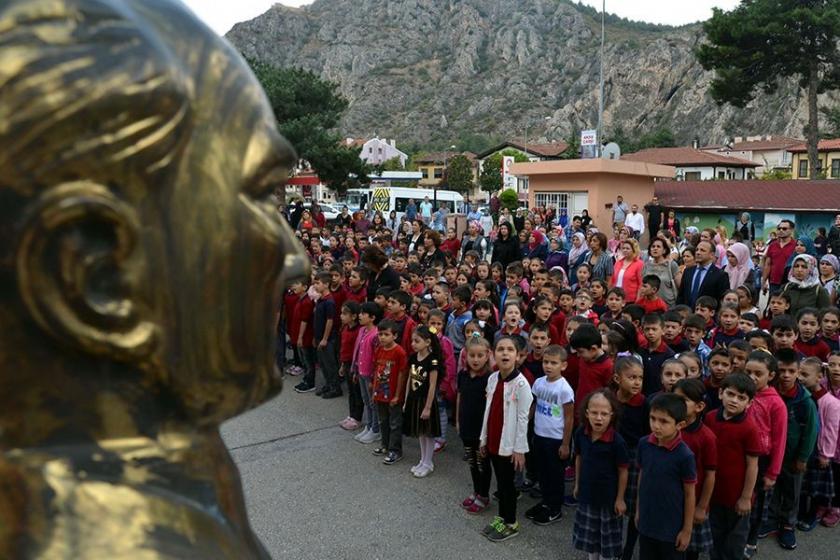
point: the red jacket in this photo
(304, 311)
(769, 413)
(632, 279)
(348, 343)
(359, 296)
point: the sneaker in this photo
(350, 424)
(527, 484)
(331, 394)
(304, 387)
(440, 446)
(821, 511)
(392, 457)
(370, 437)
(569, 501)
(380, 451)
(831, 517)
(807, 526)
(478, 505)
(358, 437)
(424, 471)
(321, 390)
(468, 501)
(532, 512)
(497, 521)
(504, 532)
(547, 517)
(769, 528)
(750, 550)
(787, 538)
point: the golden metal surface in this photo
(139, 265)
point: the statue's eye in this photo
(264, 184)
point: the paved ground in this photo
(314, 493)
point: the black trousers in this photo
(652, 549)
(758, 515)
(354, 394)
(551, 470)
(729, 533)
(390, 426)
(503, 467)
(480, 470)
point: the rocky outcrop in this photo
(430, 71)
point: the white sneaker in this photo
(370, 437)
(423, 471)
(416, 467)
(360, 435)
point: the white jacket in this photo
(517, 399)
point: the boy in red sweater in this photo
(650, 300)
(356, 289)
(769, 413)
(349, 332)
(595, 369)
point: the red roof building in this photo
(773, 196)
(538, 151)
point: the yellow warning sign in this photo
(381, 199)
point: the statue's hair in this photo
(85, 88)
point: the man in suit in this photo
(703, 279)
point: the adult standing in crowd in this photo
(834, 237)
(474, 213)
(627, 272)
(600, 262)
(746, 228)
(433, 255)
(474, 241)
(672, 224)
(738, 266)
(415, 241)
(345, 219)
(382, 275)
(297, 212)
(426, 210)
(704, 278)
(661, 264)
(495, 206)
(654, 210)
(619, 213)
(506, 247)
(410, 210)
(776, 256)
(636, 222)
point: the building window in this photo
(692, 176)
(551, 200)
(438, 172)
(803, 167)
(835, 169)
(370, 149)
(380, 150)
(721, 175)
(425, 172)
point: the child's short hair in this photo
(430, 272)
(538, 328)
(693, 389)
(586, 266)
(323, 276)
(812, 361)
(729, 307)
(463, 293)
(766, 358)
(636, 312)
(740, 382)
(583, 292)
(384, 292)
(807, 311)
(682, 309)
(352, 307)
(389, 325)
(556, 351)
(616, 291)
(401, 296)
(585, 336)
(370, 308)
(653, 319)
(362, 273)
(708, 302)
(515, 268)
(611, 398)
(653, 281)
(763, 335)
(782, 323)
(672, 317)
(787, 356)
(671, 404)
(566, 292)
(781, 295)
(741, 345)
(720, 351)
(695, 321)
(751, 317)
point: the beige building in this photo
(769, 152)
(590, 184)
(829, 159)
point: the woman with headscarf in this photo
(803, 287)
(804, 246)
(690, 238)
(537, 247)
(829, 270)
(474, 240)
(746, 228)
(738, 266)
(578, 253)
(506, 247)
(563, 218)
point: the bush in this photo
(509, 199)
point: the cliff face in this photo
(431, 71)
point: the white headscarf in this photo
(813, 277)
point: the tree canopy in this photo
(308, 109)
(491, 170)
(763, 42)
(459, 174)
(659, 138)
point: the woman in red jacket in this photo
(627, 272)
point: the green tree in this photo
(509, 199)
(832, 120)
(660, 138)
(458, 175)
(491, 170)
(763, 42)
(573, 151)
(308, 110)
(776, 175)
(393, 164)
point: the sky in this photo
(222, 15)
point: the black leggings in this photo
(480, 470)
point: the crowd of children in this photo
(672, 430)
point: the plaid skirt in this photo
(632, 491)
(701, 537)
(818, 483)
(598, 529)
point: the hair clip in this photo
(476, 334)
(433, 330)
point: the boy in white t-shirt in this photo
(554, 405)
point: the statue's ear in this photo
(78, 269)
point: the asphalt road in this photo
(314, 493)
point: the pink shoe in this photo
(569, 474)
(831, 518)
(820, 513)
(479, 505)
(468, 501)
(345, 423)
(440, 446)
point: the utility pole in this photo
(601, 96)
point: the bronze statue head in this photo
(139, 264)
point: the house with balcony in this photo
(769, 152)
(696, 165)
(828, 159)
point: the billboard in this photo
(508, 180)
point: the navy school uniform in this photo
(652, 361)
(633, 426)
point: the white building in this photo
(769, 152)
(696, 165)
(377, 151)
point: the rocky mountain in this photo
(430, 72)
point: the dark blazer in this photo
(715, 284)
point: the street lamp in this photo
(445, 159)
